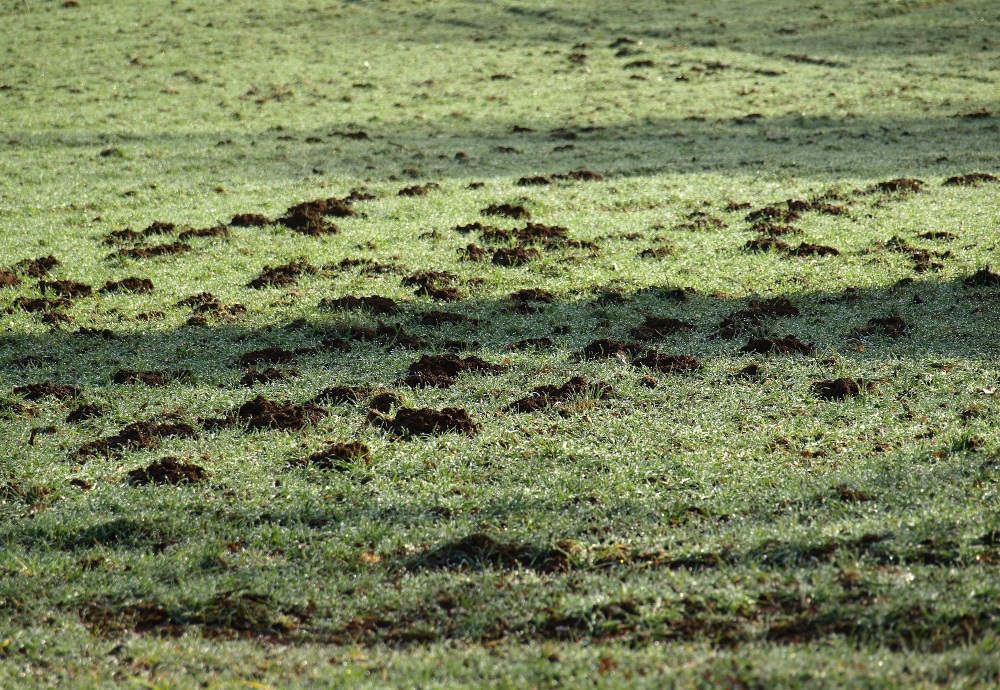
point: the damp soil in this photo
(425, 421)
(772, 214)
(436, 318)
(373, 303)
(472, 252)
(754, 315)
(168, 470)
(766, 244)
(36, 304)
(338, 456)
(39, 267)
(543, 397)
(249, 220)
(445, 294)
(807, 249)
(787, 345)
(275, 355)
(343, 394)
(898, 185)
(135, 436)
(836, 389)
(9, 279)
(37, 391)
(253, 376)
(131, 284)
(418, 189)
(261, 413)
(440, 370)
(531, 344)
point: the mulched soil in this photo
(85, 412)
(654, 328)
(9, 279)
(131, 284)
(66, 288)
(41, 303)
(339, 456)
(261, 413)
(788, 344)
(285, 274)
(514, 257)
(668, 364)
(374, 304)
(36, 391)
(169, 470)
(439, 370)
(424, 421)
(150, 378)
(506, 210)
(137, 435)
(892, 326)
(249, 220)
(971, 179)
(836, 389)
(39, 267)
(149, 252)
(604, 348)
(547, 396)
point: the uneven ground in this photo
(270, 484)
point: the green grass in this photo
(710, 531)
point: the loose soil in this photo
(806, 249)
(506, 210)
(249, 220)
(786, 345)
(131, 284)
(217, 231)
(374, 304)
(268, 354)
(261, 413)
(168, 470)
(898, 185)
(149, 252)
(531, 295)
(339, 456)
(472, 252)
(9, 279)
(281, 275)
(772, 214)
(41, 303)
(85, 412)
(150, 378)
(343, 394)
(755, 315)
(436, 318)
(137, 435)
(766, 244)
(655, 253)
(547, 396)
(514, 257)
(982, 278)
(971, 179)
(531, 343)
(418, 190)
(604, 348)
(424, 421)
(439, 370)
(428, 278)
(445, 294)
(39, 267)
(836, 389)
(775, 230)
(668, 364)
(66, 288)
(253, 376)
(654, 328)
(36, 391)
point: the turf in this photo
(733, 517)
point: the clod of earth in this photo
(472, 252)
(39, 267)
(135, 436)
(755, 315)
(343, 394)
(66, 288)
(9, 279)
(806, 249)
(385, 401)
(308, 224)
(102, 333)
(668, 364)
(971, 179)
(149, 252)
(440, 370)
(36, 391)
(507, 210)
(800, 206)
(765, 244)
(891, 326)
(786, 345)
(168, 470)
(531, 343)
(772, 214)
(150, 378)
(374, 303)
(249, 220)
(547, 396)
(514, 257)
(775, 230)
(436, 318)
(654, 328)
(531, 295)
(418, 190)
(424, 421)
(253, 376)
(41, 303)
(536, 180)
(261, 413)
(836, 389)
(131, 284)
(446, 294)
(339, 456)
(281, 275)
(899, 184)
(604, 348)
(655, 252)
(937, 235)
(426, 278)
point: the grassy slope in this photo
(204, 112)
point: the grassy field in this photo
(686, 185)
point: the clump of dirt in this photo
(655, 252)
(547, 396)
(150, 378)
(654, 328)
(85, 412)
(536, 180)
(765, 244)
(41, 303)
(281, 275)
(253, 376)
(424, 421)
(103, 333)
(394, 336)
(425, 278)
(55, 317)
(343, 394)
(308, 224)
(418, 190)
(66, 288)
(446, 294)
(331, 206)
(700, 220)
(806, 249)
(135, 436)
(473, 227)
(268, 354)
(440, 370)
(786, 345)
(472, 252)
(118, 237)
(158, 228)
(261, 413)
(836, 389)
(775, 230)
(339, 456)
(39, 267)
(937, 235)
(9, 279)
(436, 318)
(898, 185)
(216, 231)
(200, 300)
(800, 206)
(249, 220)
(131, 284)
(507, 210)
(984, 277)
(891, 326)
(169, 470)
(534, 233)
(385, 401)
(517, 256)
(532, 295)
(36, 391)
(374, 304)
(604, 348)
(580, 176)
(970, 179)
(478, 549)
(157, 250)
(531, 343)
(773, 214)
(668, 364)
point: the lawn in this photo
(451, 343)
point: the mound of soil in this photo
(281, 275)
(39, 267)
(604, 348)
(531, 343)
(982, 278)
(765, 244)
(9, 279)
(536, 180)
(131, 284)
(134, 436)
(800, 206)
(446, 294)
(157, 250)
(473, 227)
(531, 295)
(506, 210)
(775, 230)
(418, 190)
(439, 370)
(654, 328)
(472, 252)
(580, 176)
(339, 456)
(85, 412)
(308, 224)
(970, 179)
(517, 256)
(268, 354)
(806, 249)
(41, 303)
(158, 228)
(385, 401)
(655, 252)
(836, 389)
(436, 318)
(150, 378)
(36, 391)
(343, 394)
(249, 220)
(253, 376)
(937, 235)
(668, 364)
(169, 470)
(332, 206)
(426, 278)
(547, 396)
(216, 231)
(424, 421)
(897, 185)
(261, 413)
(374, 304)
(921, 257)
(772, 214)
(892, 326)
(533, 233)
(786, 345)
(66, 288)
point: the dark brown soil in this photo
(801, 206)
(537, 180)
(158, 228)
(472, 252)
(167, 470)
(765, 244)
(772, 214)
(507, 210)
(150, 378)
(267, 354)
(66, 288)
(249, 220)
(39, 267)
(417, 190)
(655, 252)
(971, 179)
(332, 206)
(806, 249)
(580, 176)
(897, 185)
(668, 364)
(425, 278)
(423, 421)
(128, 285)
(517, 256)
(85, 412)
(603, 348)
(937, 235)
(149, 252)
(536, 233)
(775, 230)
(41, 303)
(440, 370)
(436, 318)
(308, 224)
(446, 294)
(36, 391)
(261, 413)
(374, 304)
(217, 231)
(921, 257)
(385, 401)
(281, 275)
(199, 300)
(836, 389)
(788, 344)
(343, 394)
(547, 396)
(135, 436)
(892, 326)
(983, 278)
(339, 456)
(253, 376)
(9, 279)
(103, 333)
(118, 237)
(56, 317)
(654, 328)
(394, 336)
(473, 227)
(531, 295)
